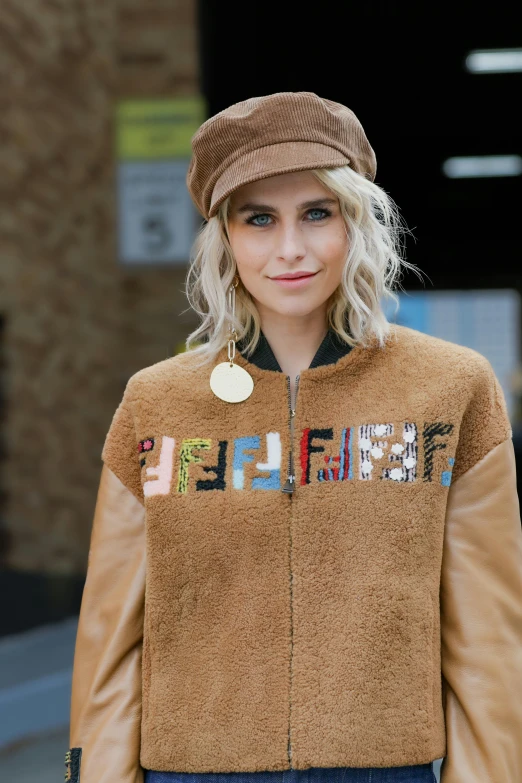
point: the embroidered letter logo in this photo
(219, 469)
(405, 454)
(240, 457)
(388, 452)
(273, 464)
(144, 446)
(163, 471)
(437, 429)
(370, 449)
(445, 479)
(308, 448)
(340, 466)
(186, 457)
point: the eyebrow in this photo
(314, 204)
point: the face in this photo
(288, 224)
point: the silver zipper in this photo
(289, 486)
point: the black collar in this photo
(330, 350)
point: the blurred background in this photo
(99, 99)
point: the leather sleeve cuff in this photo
(73, 760)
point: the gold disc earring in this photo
(229, 381)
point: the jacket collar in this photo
(330, 350)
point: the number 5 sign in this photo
(157, 221)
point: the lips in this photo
(294, 277)
(296, 282)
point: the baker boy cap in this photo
(269, 135)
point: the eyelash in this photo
(250, 219)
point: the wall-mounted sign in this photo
(157, 220)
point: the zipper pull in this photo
(289, 485)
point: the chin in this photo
(290, 304)
(304, 309)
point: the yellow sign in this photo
(157, 128)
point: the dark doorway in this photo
(400, 67)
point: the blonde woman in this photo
(306, 556)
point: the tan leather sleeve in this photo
(105, 717)
(481, 624)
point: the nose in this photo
(291, 244)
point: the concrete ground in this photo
(40, 759)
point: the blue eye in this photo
(319, 214)
(262, 220)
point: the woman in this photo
(306, 556)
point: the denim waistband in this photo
(416, 773)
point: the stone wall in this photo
(75, 324)
(157, 57)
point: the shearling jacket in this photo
(335, 581)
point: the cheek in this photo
(249, 252)
(331, 248)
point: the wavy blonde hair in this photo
(372, 271)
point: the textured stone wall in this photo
(157, 57)
(75, 324)
(157, 48)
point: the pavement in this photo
(40, 759)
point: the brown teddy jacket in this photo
(370, 617)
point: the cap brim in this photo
(272, 160)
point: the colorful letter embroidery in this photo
(163, 471)
(371, 449)
(308, 447)
(273, 464)
(433, 431)
(143, 446)
(187, 456)
(386, 451)
(402, 454)
(340, 466)
(405, 454)
(445, 478)
(219, 469)
(240, 457)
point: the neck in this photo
(294, 341)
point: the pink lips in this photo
(293, 282)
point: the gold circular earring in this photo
(229, 381)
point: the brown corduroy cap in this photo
(270, 135)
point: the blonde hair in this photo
(372, 271)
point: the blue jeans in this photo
(418, 773)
